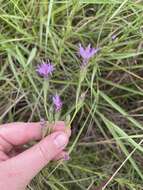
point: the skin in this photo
(18, 166)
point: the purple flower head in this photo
(45, 69)
(113, 37)
(66, 157)
(87, 53)
(57, 102)
(42, 122)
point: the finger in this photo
(60, 126)
(30, 162)
(19, 133)
(3, 156)
(14, 134)
(57, 126)
(62, 155)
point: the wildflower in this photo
(66, 157)
(87, 53)
(45, 69)
(113, 37)
(57, 102)
(42, 122)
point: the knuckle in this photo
(43, 153)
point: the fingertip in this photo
(59, 126)
(61, 140)
(33, 130)
(68, 131)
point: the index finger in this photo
(19, 133)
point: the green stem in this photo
(45, 90)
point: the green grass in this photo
(105, 147)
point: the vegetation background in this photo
(106, 145)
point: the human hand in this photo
(17, 169)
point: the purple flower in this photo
(57, 102)
(66, 157)
(45, 69)
(113, 37)
(42, 122)
(87, 53)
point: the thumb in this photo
(27, 164)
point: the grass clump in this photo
(107, 126)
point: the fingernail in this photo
(61, 140)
